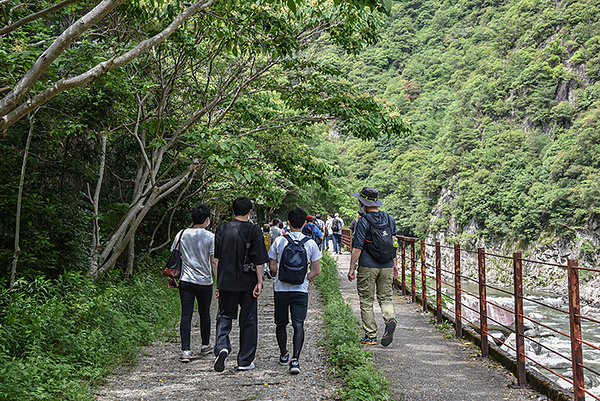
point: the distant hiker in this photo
(321, 224)
(289, 259)
(336, 228)
(275, 230)
(373, 248)
(311, 230)
(240, 248)
(197, 250)
(281, 228)
(328, 232)
(353, 224)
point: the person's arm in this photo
(315, 269)
(258, 286)
(273, 265)
(215, 262)
(353, 259)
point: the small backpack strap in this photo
(288, 238)
(303, 240)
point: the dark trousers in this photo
(188, 293)
(337, 242)
(294, 304)
(228, 310)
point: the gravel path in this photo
(158, 374)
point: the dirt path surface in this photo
(159, 375)
(423, 365)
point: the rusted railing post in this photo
(413, 268)
(576, 344)
(457, 292)
(423, 276)
(403, 267)
(438, 281)
(519, 330)
(482, 303)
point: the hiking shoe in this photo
(219, 365)
(370, 341)
(284, 359)
(388, 336)
(294, 367)
(206, 349)
(249, 367)
(185, 356)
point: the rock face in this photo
(549, 248)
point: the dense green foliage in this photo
(363, 381)
(59, 337)
(504, 101)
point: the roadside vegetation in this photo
(351, 363)
(59, 338)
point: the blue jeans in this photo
(327, 239)
(337, 242)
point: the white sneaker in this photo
(249, 367)
(185, 356)
(206, 349)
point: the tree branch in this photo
(35, 16)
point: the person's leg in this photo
(365, 284)
(298, 308)
(204, 296)
(228, 302)
(281, 321)
(248, 328)
(187, 297)
(335, 243)
(384, 285)
(327, 237)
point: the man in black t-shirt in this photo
(237, 243)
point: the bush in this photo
(363, 381)
(60, 337)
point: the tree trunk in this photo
(96, 205)
(13, 270)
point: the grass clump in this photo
(363, 381)
(59, 338)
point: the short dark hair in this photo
(242, 205)
(281, 224)
(297, 217)
(318, 215)
(200, 213)
(275, 221)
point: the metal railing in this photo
(482, 310)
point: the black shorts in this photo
(294, 302)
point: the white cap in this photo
(336, 215)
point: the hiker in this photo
(311, 230)
(240, 249)
(353, 224)
(274, 230)
(328, 232)
(321, 224)
(373, 248)
(336, 229)
(292, 253)
(196, 246)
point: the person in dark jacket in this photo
(374, 276)
(238, 244)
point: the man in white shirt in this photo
(292, 299)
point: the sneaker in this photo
(294, 367)
(185, 356)
(370, 341)
(249, 367)
(388, 336)
(206, 349)
(284, 359)
(219, 365)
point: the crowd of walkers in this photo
(241, 253)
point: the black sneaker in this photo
(388, 336)
(219, 365)
(284, 359)
(294, 367)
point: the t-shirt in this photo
(312, 253)
(361, 233)
(275, 232)
(197, 245)
(328, 227)
(230, 247)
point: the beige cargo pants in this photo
(371, 281)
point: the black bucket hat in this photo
(368, 197)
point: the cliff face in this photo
(548, 247)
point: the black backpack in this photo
(309, 229)
(381, 247)
(293, 265)
(335, 225)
